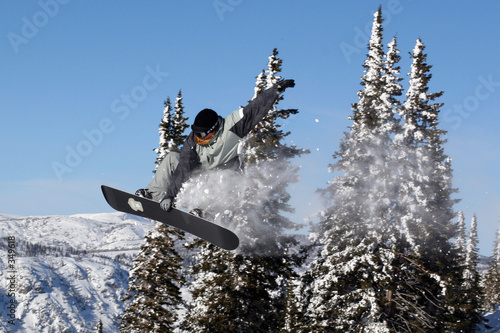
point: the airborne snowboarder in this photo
(213, 143)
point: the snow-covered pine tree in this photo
(425, 206)
(266, 262)
(472, 291)
(231, 293)
(154, 285)
(171, 129)
(252, 300)
(461, 241)
(165, 130)
(265, 142)
(471, 275)
(294, 313)
(492, 278)
(428, 170)
(260, 84)
(392, 88)
(353, 274)
(157, 275)
(213, 291)
(422, 300)
(179, 123)
(366, 111)
(265, 145)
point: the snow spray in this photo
(249, 203)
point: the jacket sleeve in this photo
(188, 162)
(255, 111)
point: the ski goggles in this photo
(203, 141)
(210, 130)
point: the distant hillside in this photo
(68, 272)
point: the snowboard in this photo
(133, 204)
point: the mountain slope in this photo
(67, 272)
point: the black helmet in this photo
(205, 122)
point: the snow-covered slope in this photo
(83, 232)
(65, 273)
(493, 321)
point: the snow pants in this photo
(163, 176)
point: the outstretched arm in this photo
(258, 108)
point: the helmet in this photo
(206, 122)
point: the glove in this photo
(166, 204)
(144, 193)
(283, 84)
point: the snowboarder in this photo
(213, 143)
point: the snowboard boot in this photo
(144, 193)
(196, 212)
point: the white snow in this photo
(493, 321)
(235, 192)
(60, 288)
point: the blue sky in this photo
(84, 85)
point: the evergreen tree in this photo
(387, 262)
(249, 288)
(214, 289)
(352, 275)
(171, 129)
(492, 278)
(154, 286)
(420, 303)
(165, 129)
(266, 265)
(260, 84)
(392, 86)
(294, 317)
(472, 292)
(426, 212)
(426, 171)
(179, 123)
(460, 243)
(265, 142)
(471, 275)
(366, 113)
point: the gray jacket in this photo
(222, 150)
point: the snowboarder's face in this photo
(203, 140)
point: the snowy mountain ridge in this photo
(65, 273)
